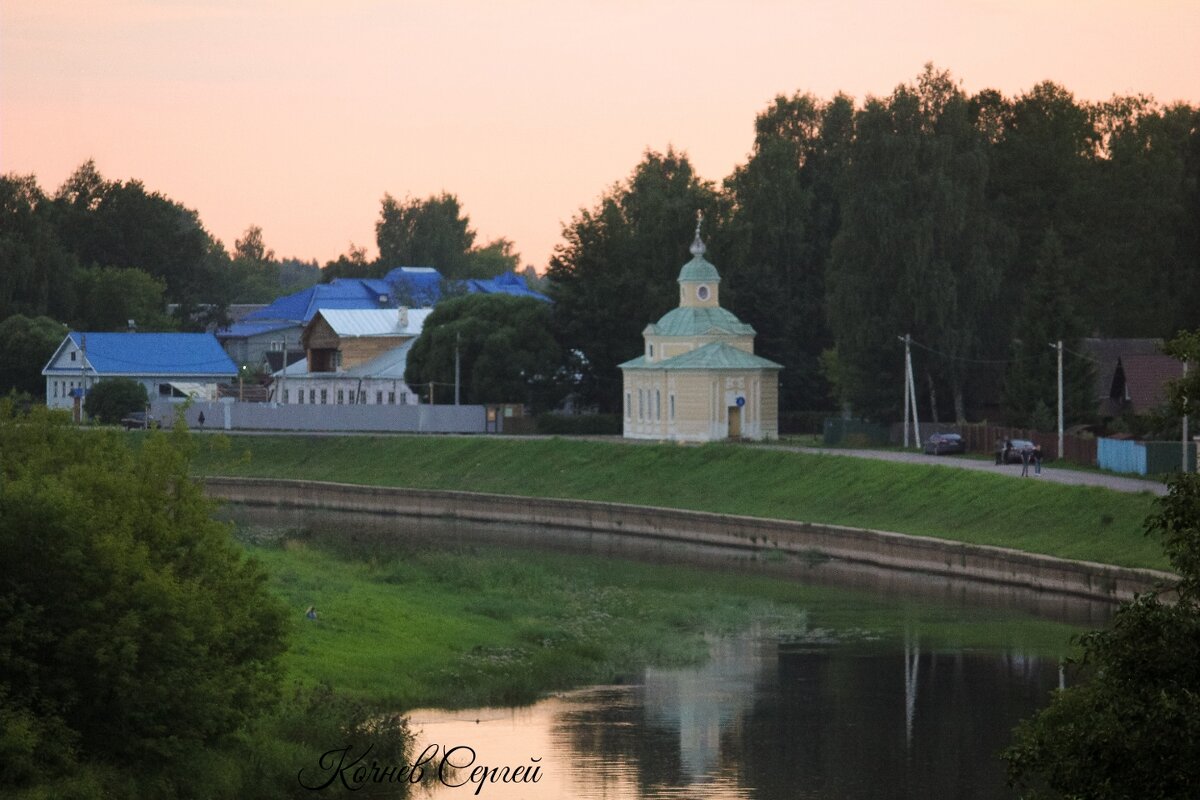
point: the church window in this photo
(672, 401)
(702, 292)
(651, 351)
(657, 404)
(341, 397)
(628, 405)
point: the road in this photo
(1070, 477)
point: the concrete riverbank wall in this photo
(878, 548)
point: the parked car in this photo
(138, 420)
(1013, 455)
(941, 444)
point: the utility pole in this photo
(82, 375)
(1059, 347)
(905, 339)
(457, 372)
(912, 391)
(1184, 443)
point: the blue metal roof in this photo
(417, 287)
(508, 283)
(240, 329)
(346, 293)
(156, 354)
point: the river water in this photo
(901, 713)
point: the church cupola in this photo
(699, 280)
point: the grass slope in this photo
(411, 624)
(1068, 521)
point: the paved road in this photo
(1067, 476)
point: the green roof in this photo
(716, 355)
(699, 270)
(699, 320)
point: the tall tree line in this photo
(982, 225)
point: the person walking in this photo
(201, 419)
(1037, 459)
(1026, 456)
(1007, 450)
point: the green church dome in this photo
(698, 269)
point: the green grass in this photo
(1076, 522)
(407, 624)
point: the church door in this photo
(735, 422)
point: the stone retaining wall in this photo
(879, 548)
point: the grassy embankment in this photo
(405, 623)
(1026, 514)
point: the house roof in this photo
(1106, 353)
(342, 293)
(697, 321)
(376, 322)
(188, 354)
(1142, 380)
(715, 355)
(508, 283)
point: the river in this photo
(917, 710)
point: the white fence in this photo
(232, 415)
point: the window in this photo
(72, 355)
(286, 392)
(404, 398)
(391, 398)
(324, 396)
(341, 397)
(301, 396)
(641, 403)
(672, 401)
(379, 398)
(628, 406)
(312, 395)
(702, 293)
(55, 383)
(362, 397)
(657, 404)
(650, 347)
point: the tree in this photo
(617, 269)
(352, 264)
(425, 233)
(113, 224)
(505, 345)
(113, 398)
(494, 258)
(1132, 729)
(35, 269)
(133, 630)
(1047, 316)
(916, 250)
(25, 346)
(784, 217)
(109, 297)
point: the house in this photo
(353, 357)
(698, 378)
(167, 364)
(1132, 375)
(277, 326)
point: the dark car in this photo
(941, 444)
(1013, 455)
(138, 420)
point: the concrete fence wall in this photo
(231, 415)
(878, 548)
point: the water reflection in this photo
(770, 720)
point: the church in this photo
(698, 379)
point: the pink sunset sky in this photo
(298, 115)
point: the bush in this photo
(135, 631)
(113, 398)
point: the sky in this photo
(298, 115)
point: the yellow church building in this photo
(698, 379)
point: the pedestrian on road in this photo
(1026, 456)
(1007, 450)
(1037, 459)
(201, 419)
(999, 452)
